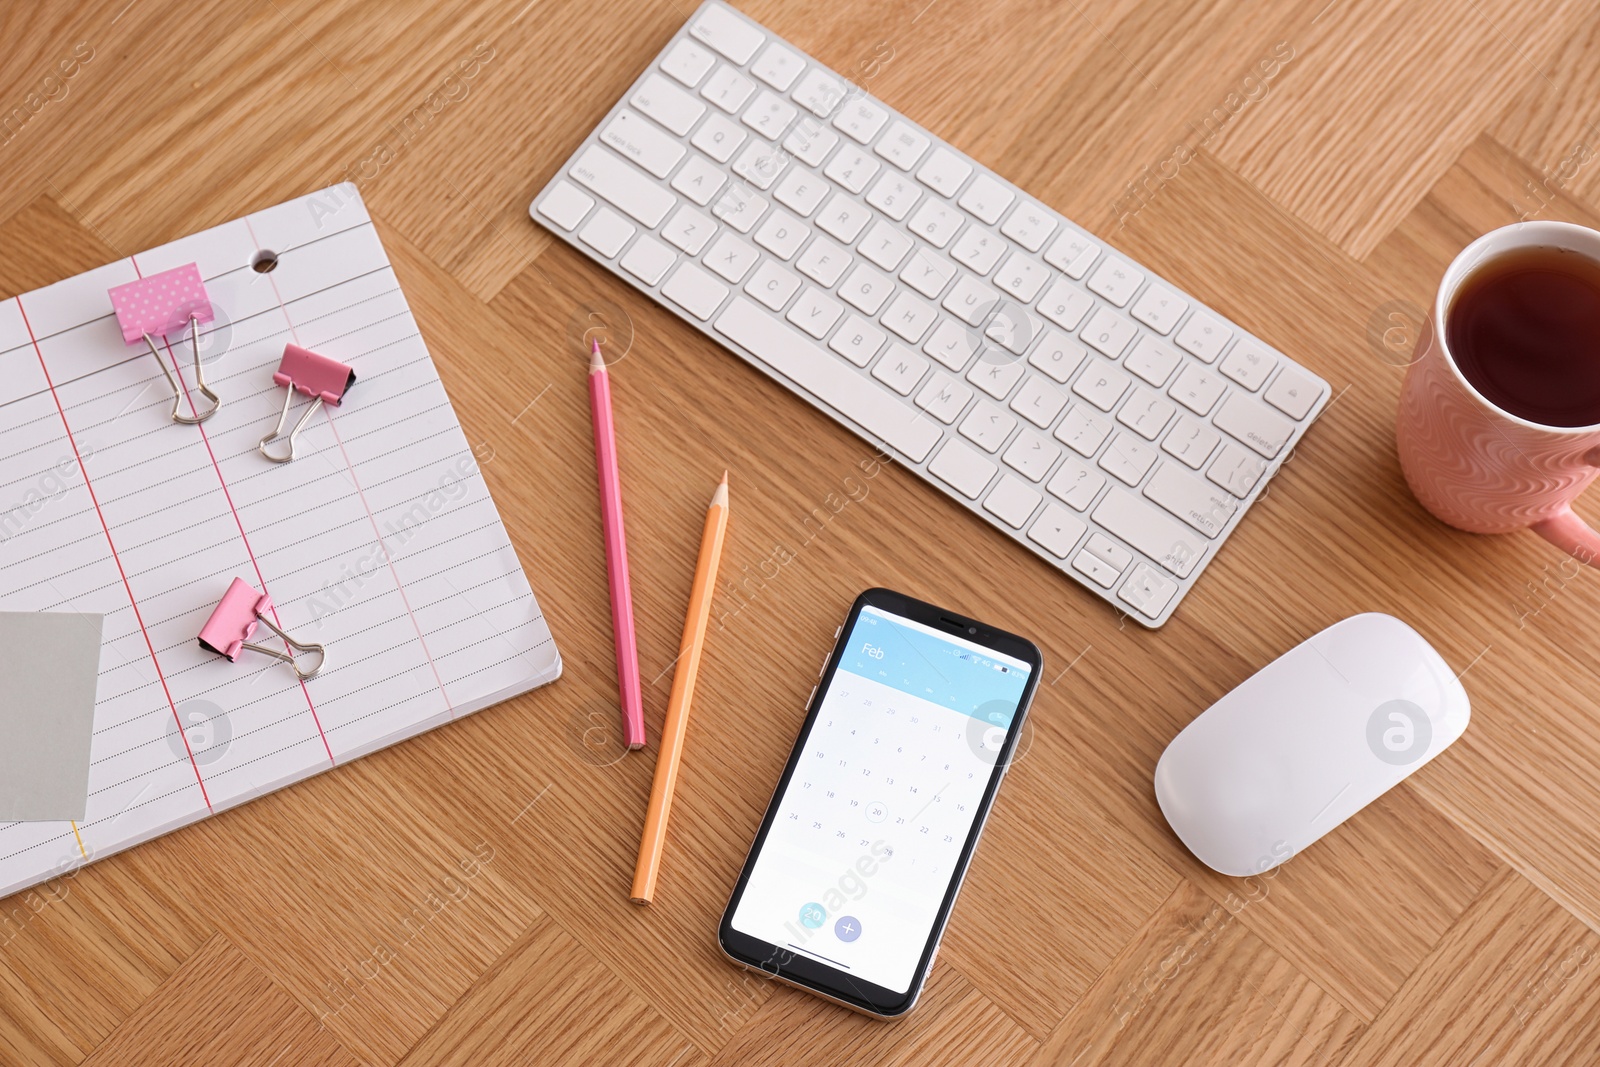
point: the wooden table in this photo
(462, 898)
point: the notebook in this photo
(380, 541)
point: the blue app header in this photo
(942, 670)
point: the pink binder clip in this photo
(160, 305)
(231, 626)
(324, 380)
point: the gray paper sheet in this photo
(49, 664)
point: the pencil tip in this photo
(596, 361)
(721, 495)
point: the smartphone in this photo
(852, 876)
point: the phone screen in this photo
(891, 778)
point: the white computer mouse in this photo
(1306, 742)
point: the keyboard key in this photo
(566, 205)
(1108, 332)
(697, 292)
(801, 191)
(1065, 304)
(731, 257)
(1249, 364)
(987, 199)
(823, 262)
(727, 33)
(1076, 483)
(852, 168)
(769, 116)
(988, 425)
(1013, 327)
(1021, 277)
(719, 138)
(819, 92)
(1082, 430)
(900, 369)
(1031, 454)
(944, 172)
(815, 312)
(944, 398)
(995, 374)
(1102, 573)
(935, 223)
(810, 141)
(1256, 425)
(866, 289)
(1072, 254)
(857, 340)
(1152, 361)
(648, 259)
(641, 142)
(728, 89)
(1292, 393)
(978, 249)
(927, 273)
(1191, 442)
(1127, 457)
(1204, 337)
(902, 145)
(1160, 308)
(611, 179)
(844, 218)
(909, 317)
(1012, 501)
(689, 230)
(1146, 413)
(894, 194)
(667, 104)
(1148, 590)
(1198, 389)
(782, 234)
(1237, 469)
(970, 300)
(884, 245)
(778, 67)
(861, 119)
(1150, 531)
(739, 208)
(1101, 384)
(1116, 281)
(1191, 498)
(698, 180)
(1058, 355)
(800, 360)
(951, 344)
(1057, 529)
(773, 286)
(607, 232)
(688, 63)
(1029, 225)
(962, 468)
(1038, 401)
(759, 164)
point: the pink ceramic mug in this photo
(1474, 465)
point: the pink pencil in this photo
(605, 457)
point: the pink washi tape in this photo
(304, 371)
(229, 629)
(162, 305)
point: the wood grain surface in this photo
(462, 898)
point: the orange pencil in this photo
(677, 724)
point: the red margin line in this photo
(115, 558)
(316, 720)
(354, 480)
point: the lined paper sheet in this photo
(380, 541)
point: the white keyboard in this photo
(1085, 407)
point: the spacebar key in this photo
(808, 365)
(1150, 530)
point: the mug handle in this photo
(1572, 535)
